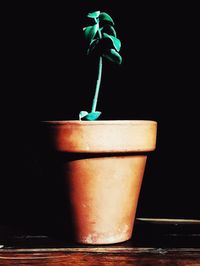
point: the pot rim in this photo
(99, 122)
(103, 135)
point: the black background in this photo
(46, 76)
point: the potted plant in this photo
(103, 161)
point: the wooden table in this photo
(154, 242)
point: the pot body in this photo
(103, 164)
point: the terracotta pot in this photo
(104, 163)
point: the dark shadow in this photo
(34, 197)
(57, 218)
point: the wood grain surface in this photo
(154, 242)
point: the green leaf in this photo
(92, 116)
(89, 116)
(116, 42)
(113, 56)
(82, 114)
(109, 29)
(93, 14)
(92, 46)
(90, 32)
(105, 17)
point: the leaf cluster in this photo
(101, 37)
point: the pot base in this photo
(105, 239)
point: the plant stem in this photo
(94, 103)
(98, 83)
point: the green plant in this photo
(101, 40)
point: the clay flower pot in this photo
(103, 163)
